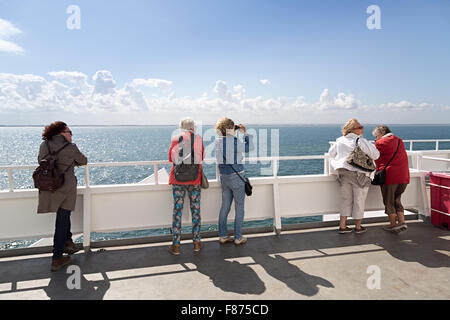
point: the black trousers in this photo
(62, 232)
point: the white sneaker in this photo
(226, 239)
(242, 240)
(400, 228)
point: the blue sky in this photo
(310, 49)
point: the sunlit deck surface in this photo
(299, 264)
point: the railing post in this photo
(155, 166)
(276, 197)
(87, 213)
(424, 209)
(419, 161)
(326, 164)
(411, 145)
(275, 167)
(437, 145)
(217, 172)
(10, 180)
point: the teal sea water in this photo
(20, 145)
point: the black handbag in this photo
(380, 176)
(248, 186)
(204, 181)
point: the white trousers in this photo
(354, 187)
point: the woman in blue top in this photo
(229, 154)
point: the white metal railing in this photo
(411, 142)
(436, 141)
(88, 193)
(156, 164)
(416, 155)
(436, 159)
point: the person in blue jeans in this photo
(229, 155)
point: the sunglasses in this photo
(360, 127)
(68, 131)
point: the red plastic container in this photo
(440, 199)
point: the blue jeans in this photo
(62, 232)
(232, 188)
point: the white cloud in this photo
(69, 75)
(98, 97)
(264, 82)
(69, 93)
(341, 102)
(8, 46)
(104, 82)
(153, 83)
(221, 90)
(406, 105)
(7, 30)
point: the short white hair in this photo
(187, 124)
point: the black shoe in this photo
(346, 230)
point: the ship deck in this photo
(313, 263)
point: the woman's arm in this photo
(333, 150)
(369, 149)
(80, 159)
(247, 145)
(172, 145)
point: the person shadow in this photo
(296, 279)
(70, 284)
(231, 276)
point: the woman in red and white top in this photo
(180, 149)
(397, 175)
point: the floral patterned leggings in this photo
(179, 191)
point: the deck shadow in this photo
(297, 280)
(231, 276)
(421, 244)
(60, 282)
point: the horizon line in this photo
(250, 124)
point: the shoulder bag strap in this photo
(192, 148)
(225, 160)
(393, 155)
(55, 152)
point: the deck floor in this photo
(302, 264)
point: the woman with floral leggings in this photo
(180, 188)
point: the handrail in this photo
(411, 142)
(149, 163)
(436, 159)
(156, 163)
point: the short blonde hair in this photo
(187, 124)
(349, 126)
(224, 124)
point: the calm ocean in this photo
(20, 145)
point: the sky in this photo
(257, 62)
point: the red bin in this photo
(440, 199)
